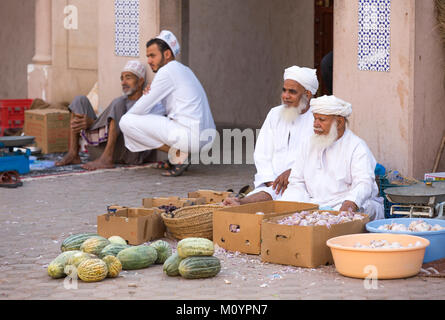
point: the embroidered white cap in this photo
(135, 67)
(171, 40)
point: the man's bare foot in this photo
(98, 164)
(69, 158)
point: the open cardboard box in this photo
(303, 246)
(211, 196)
(171, 201)
(239, 228)
(136, 225)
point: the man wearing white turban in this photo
(189, 117)
(334, 168)
(285, 127)
(101, 134)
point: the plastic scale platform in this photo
(15, 160)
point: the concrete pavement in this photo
(35, 218)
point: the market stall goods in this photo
(320, 218)
(92, 270)
(137, 257)
(79, 257)
(195, 247)
(117, 240)
(415, 226)
(113, 249)
(94, 245)
(385, 244)
(74, 241)
(171, 265)
(163, 250)
(199, 267)
(57, 266)
(114, 266)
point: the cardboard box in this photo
(302, 246)
(50, 127)
(239, 228)
(211, 196)
(437, 176)
(171, 201)
(136, 225)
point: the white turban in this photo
(135, 67)
(171, 40)
(331, 105)
(304, 76)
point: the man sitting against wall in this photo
(103, 132)
(285, 127)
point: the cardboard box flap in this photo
(46, 111)
(171, 201)
(211, 196)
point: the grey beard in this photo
(129, 92)
(290, 113)
(320, 142)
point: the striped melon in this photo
(117, 240)
(114, 266)
(94, 245)
(163, 249)
(195, 247)
(79, 257)
(199, 267)
(74, 241)
(137, 257)
(56, 267)
(113, 249)
(92, 270)
(171, 265)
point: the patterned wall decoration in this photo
(374, 36)
(126, 32)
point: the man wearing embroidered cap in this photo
(334, 168)
(189, 117)
(285, 127)
(102, 134)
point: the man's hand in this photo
(349, 206)
(280, 183)
(231, 201)
(146, 90)
(80, 122)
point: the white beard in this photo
(324, 141)
(289, 113)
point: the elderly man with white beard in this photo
(334, 168)
(283, 130)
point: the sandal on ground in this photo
(10, 179)
(161, 165)
(176, 170)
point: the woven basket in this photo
(191, 221)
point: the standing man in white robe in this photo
(335, 168)
(283, 130)
(188, 113)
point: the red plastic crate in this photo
(12, 113)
